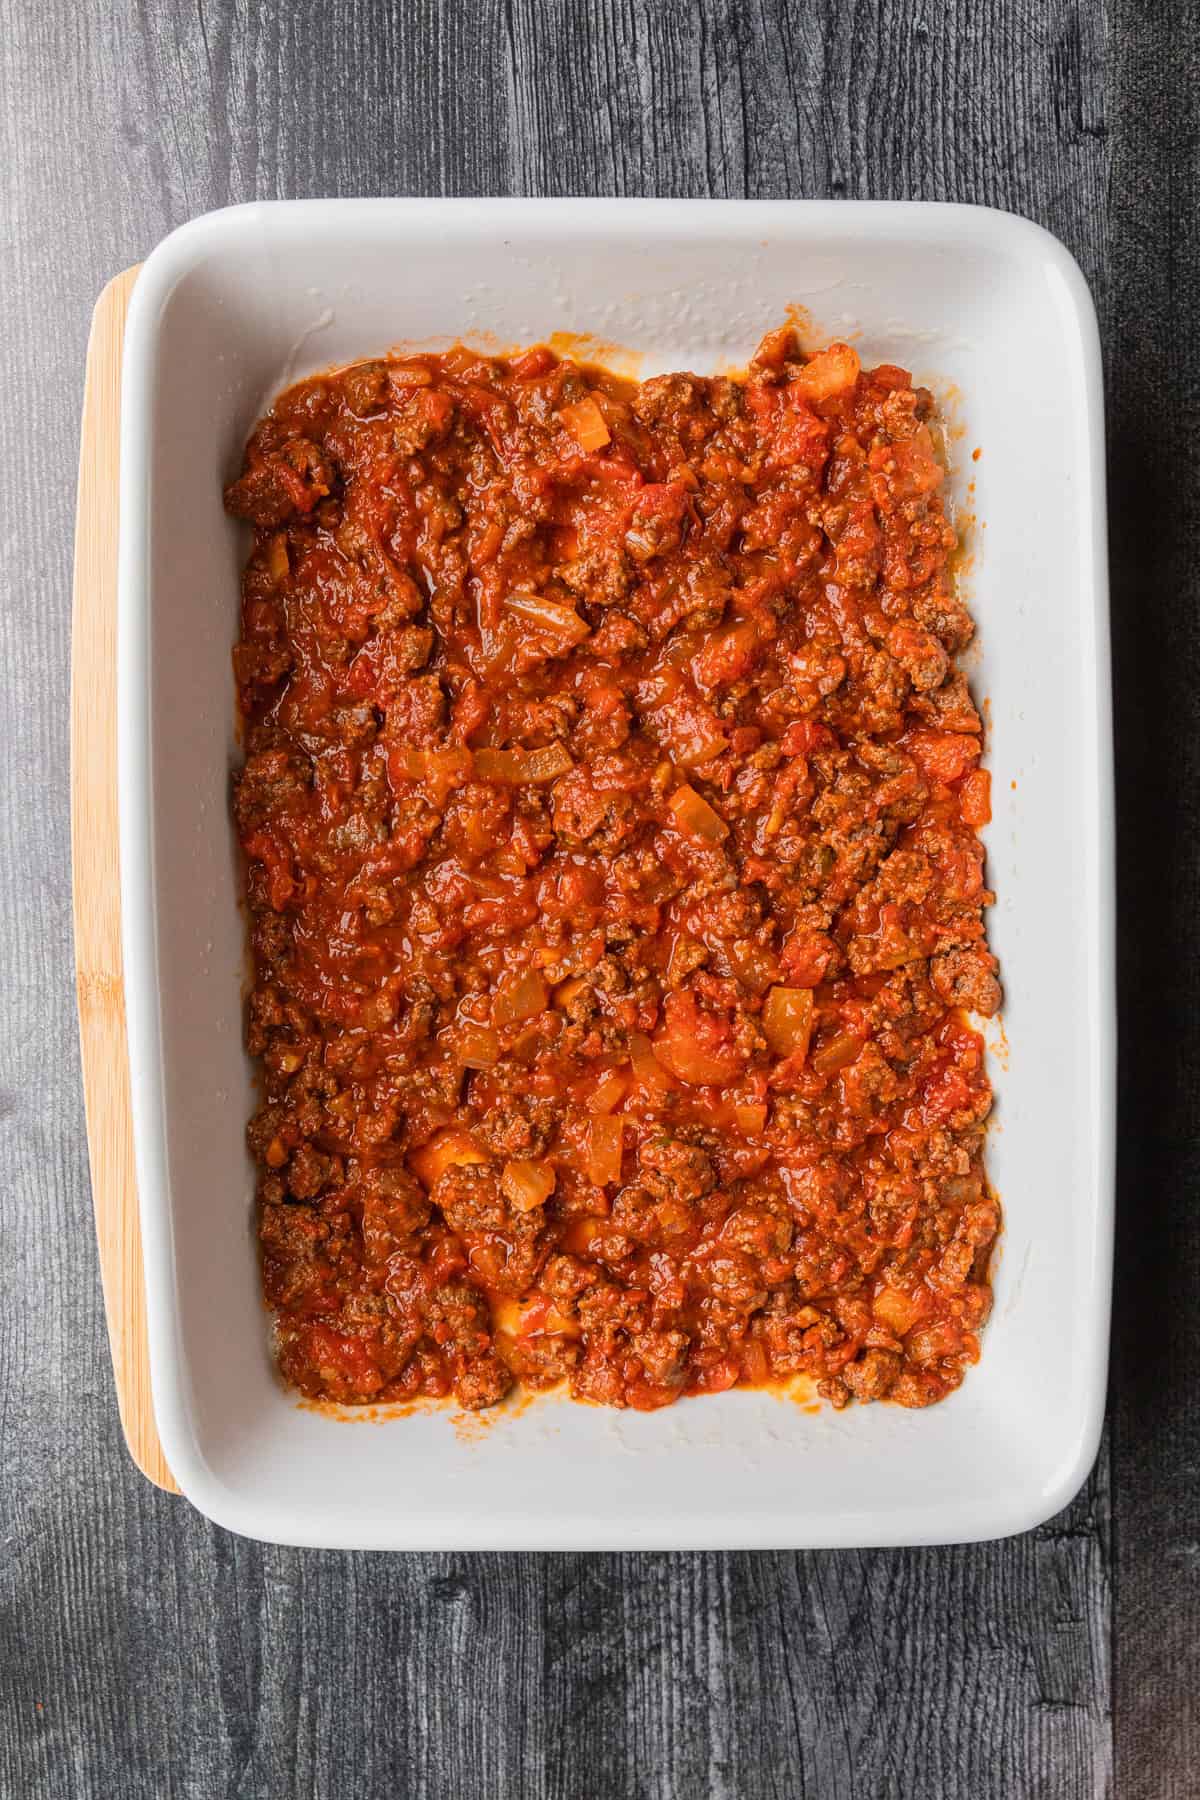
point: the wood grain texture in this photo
(1153, 342)
(99, 981)
(143, 1652)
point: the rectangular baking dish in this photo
(991, 312)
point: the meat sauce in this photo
(610, 808)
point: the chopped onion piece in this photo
(539, 1034)
(608, 1092)
(550, 616)
(500, 765)
(519, 997)
(448, 1149)
(278, 566)
(478, 1047)
(442, 770)
(582, 1233)
(838, 1052)
(700, 749)
(516, 766)
(787, 1020)
(586, 424)
(646, 1066)
(547, 764)
(899, 1311)
(605, 1142)
(754, 966)
(696, 818)
(527, 1185)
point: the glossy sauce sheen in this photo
(610, 809)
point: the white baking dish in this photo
(994, 314)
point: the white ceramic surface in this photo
(225, 312)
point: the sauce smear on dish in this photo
(610, 809)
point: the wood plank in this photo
(98, 971)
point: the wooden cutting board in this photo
(98, 973)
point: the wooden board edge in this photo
(99, 980)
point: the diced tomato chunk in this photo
(943, 756)
(975, 798)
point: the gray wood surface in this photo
(142, 1651)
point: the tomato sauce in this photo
(610, 809)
